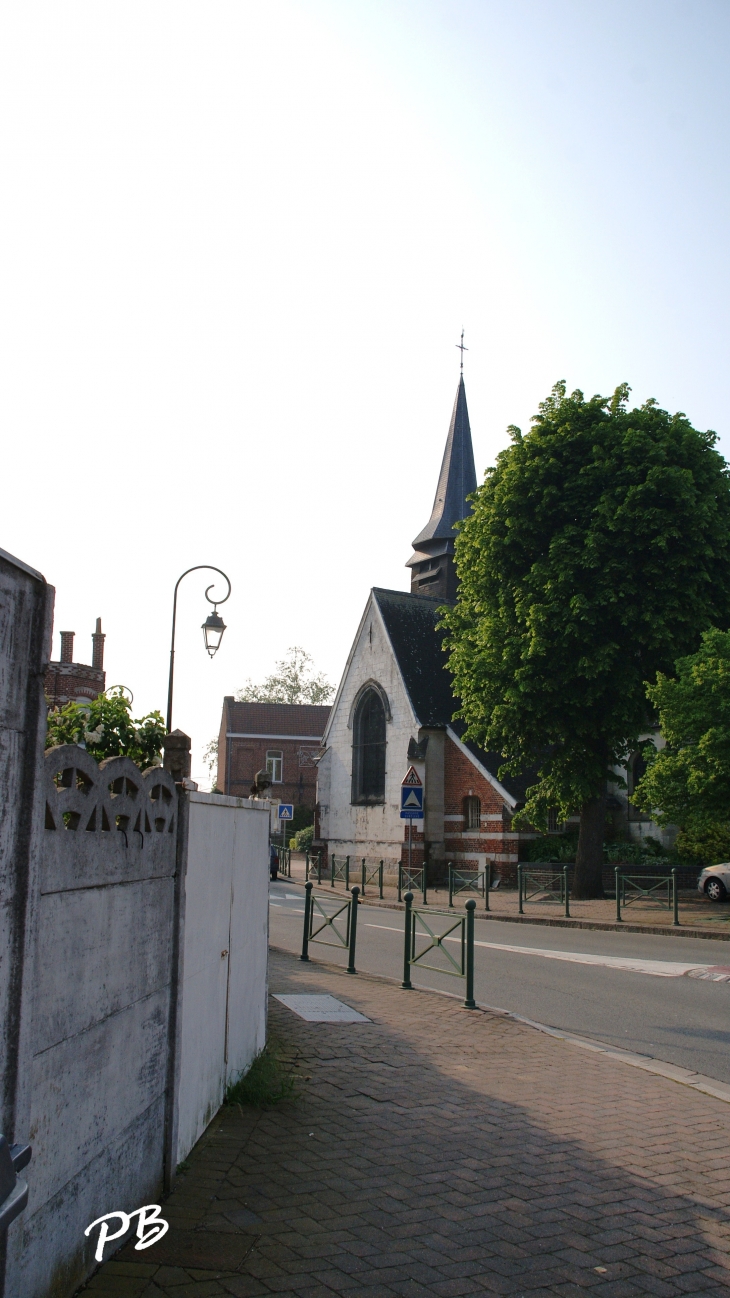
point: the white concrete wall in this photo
(366, 831)
(225, 954)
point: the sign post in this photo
(411, 806)
(286, 812)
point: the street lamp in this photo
(213, 627)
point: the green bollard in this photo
(617, 873)
(353, 930)
(407, 984)
(520, 911)
(566, 891)
(362, 880)
(307, 918)
(332, 871)
(487, 883)
(675, 898)
(400, 880)
(319, 867)
(451, 886)
(380, 879)
(423, 883)
(306, 863)
(469, 1002)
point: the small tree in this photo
(104, 727)
(688, 782)
(597, 552)
(292, 682)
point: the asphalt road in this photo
(638, 991)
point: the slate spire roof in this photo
(432, 563)
(457, 478)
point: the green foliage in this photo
(292, 682)
(597, 551)
(267, 1082)
(104, 726)
(553, 847)
(688, 782)
(303, 840)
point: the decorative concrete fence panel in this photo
(225, 953)
(103, 1008)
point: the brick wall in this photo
(494, 840)
(244, 757)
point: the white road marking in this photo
(658, 968)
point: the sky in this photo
(238, 244)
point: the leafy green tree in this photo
(104, 726)
(597, 552)
(292, 682)
(688, 782)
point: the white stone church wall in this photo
(366, 831)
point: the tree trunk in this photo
(588, 877)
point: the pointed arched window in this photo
(368, 749)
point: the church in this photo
(394, 709)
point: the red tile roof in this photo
(300, 719)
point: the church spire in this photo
(432, 563)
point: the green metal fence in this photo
(421, 940)
(339, 926)
(415, 879)
(479, 881)
(543, 883)
(284, 854)
(339, 871)
(661, 889)
(371, 874)
(313, 865)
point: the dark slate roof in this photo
(410, 621)
(457, 478)
(305, 719)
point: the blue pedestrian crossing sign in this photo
(286, 811)
(411, 796)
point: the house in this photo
(282, 738)
(70, 682)
(394, 709)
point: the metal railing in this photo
(546, 883)
(340, 925)
(340, 870)
(479, 881)
(313, 865)
(662, 889)
(415, 879)
(284, 854)
(371, 874)
(460, 932)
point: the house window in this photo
(554, 824)
(368, 750)
(637, 771)
(275, 765)
(472, 813)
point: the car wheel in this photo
(715, 890)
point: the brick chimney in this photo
(98, 642)
(67, 646)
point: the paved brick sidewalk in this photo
(437, 1151)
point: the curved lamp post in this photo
(213, 627)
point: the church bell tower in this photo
(433, 571)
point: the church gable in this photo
(366, 745)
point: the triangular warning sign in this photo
(412, 777)
(412, 800)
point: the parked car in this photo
(714, 881)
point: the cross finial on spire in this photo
(462, 349)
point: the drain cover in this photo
(322, 1009)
